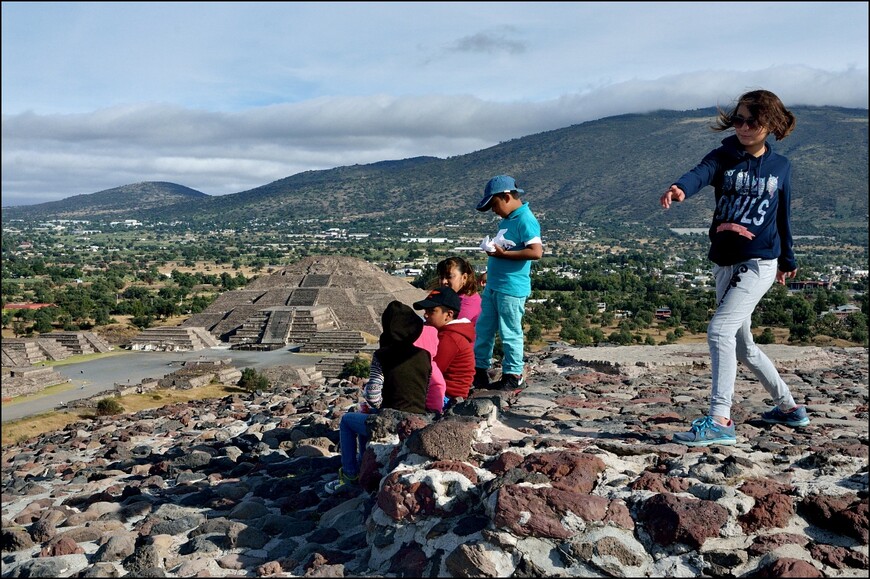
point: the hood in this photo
(428, 340)
(401, 325)
(462, 327)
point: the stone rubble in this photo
(573, 476)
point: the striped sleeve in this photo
(373, 390)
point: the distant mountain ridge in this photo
(608, 172)
(124, 202)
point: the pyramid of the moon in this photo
(315, 295)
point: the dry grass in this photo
(209, 267)
(20, 430)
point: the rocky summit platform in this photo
(573, 476)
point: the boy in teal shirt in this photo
(509, 283)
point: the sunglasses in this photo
(739, 121)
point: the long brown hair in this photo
(766, 108)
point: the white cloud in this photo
(224, 97)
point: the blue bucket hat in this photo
(496, 185)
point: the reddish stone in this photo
(772, 511)
(370, 471)
(786, 567)
(43, 530)
(538, 512)
(63, 546)
(570, 401)
(760, 487)
(619, 515)
(270, 568)
(505, 462)
(839, 557)
(671, 519)
(649, 481)
(404, 501)
(569, 471)
(411, 424)
(841, 514)
(530, 512)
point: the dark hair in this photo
(766, 108)
(446, 265)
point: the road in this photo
(92, 377)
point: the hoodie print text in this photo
(747, 204)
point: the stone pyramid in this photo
(313, 295)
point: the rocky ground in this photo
(575, 475)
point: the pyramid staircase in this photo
(53, 349)
(24, 352)
(174, 339)
(274, 327)
(80, 342)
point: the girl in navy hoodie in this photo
(751, 247)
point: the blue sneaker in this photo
(797, 417)
(706, 431)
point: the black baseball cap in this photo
(442, 296)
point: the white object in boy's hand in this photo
(488, 244)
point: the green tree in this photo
(360, 367)
(142, 321)
(857, 324)
(42, 323)
(253, 381)
(534, 333)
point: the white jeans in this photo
(739, 288)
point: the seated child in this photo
(398, 379)
(455, 355)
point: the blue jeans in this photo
(503, 313)
(353, 437)
(739, 288)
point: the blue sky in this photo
(227, 96)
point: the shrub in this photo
(358, 367)
(766, 337)
(109, 406)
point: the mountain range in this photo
(608, 173)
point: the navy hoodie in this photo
(753, 204)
